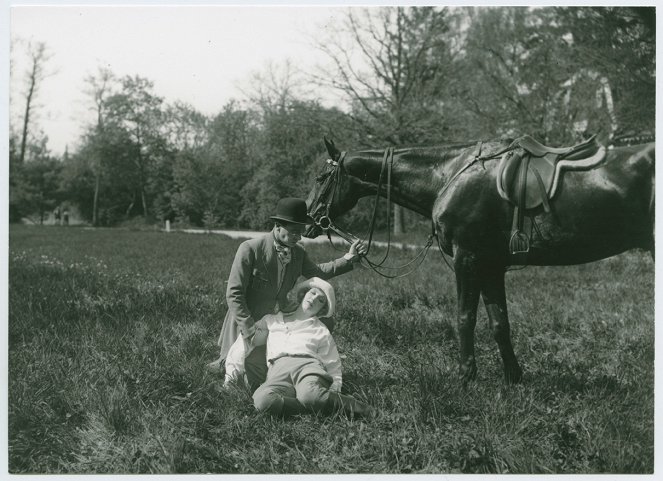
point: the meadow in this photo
(109, 332)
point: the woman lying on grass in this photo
(304, 373)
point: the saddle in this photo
(529, 176)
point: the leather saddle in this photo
(529, 176)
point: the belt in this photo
(271, 361)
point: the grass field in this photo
(109, 332)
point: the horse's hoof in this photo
(513, 374)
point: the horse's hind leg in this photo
(652, 216)
(494, 298)
(467, 286)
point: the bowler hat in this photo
(293, 210)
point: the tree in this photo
(37, 186)
(211, 167)
(78, 181)
(36, 73)
(185, 127)
(619, 44)
(107, 155)
(187, 134)
(393, 72)
(275, 87)
(512, 72)
(137, 111)
(554, 73)
(100, 87)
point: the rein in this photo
(332, 183)
(330, 190)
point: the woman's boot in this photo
(291, 406)
(349, 405)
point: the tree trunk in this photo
(399, 219)
(95, 202)
(131, 206)
(142, 198)
(38, 57)
(607, 92)
(26, 119)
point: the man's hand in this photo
(357, 249)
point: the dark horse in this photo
(595, 214)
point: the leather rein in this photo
(331, 189)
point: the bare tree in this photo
(390, 64)
(275, 87)
(39, 57)
(99, 88)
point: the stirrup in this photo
(519, 243)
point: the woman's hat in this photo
(293, 210)
(325, 287)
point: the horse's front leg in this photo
(494, 298)
(468, 289)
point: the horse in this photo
(595, 214)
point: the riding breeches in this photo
(293, 385)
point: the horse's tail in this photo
(652, 201)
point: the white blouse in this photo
(308, 337)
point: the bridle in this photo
(331, 184)
(323, 201)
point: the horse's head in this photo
(332, 194)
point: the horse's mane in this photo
(442, 151)
(424, 148)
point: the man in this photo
(264, 270)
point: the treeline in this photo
(418, 75)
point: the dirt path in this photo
(246, 234)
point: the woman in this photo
(304, 373)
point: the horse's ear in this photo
(334, 153)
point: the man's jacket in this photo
(258, 284)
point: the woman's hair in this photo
(295, 298)
(293, 301)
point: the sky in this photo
(201, 55)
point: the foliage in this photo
(109, 332)
(555, 73)
(210, 178)
(34, 187)
(620, 43)
(137, 113)
(289, 140)
(392, 67)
